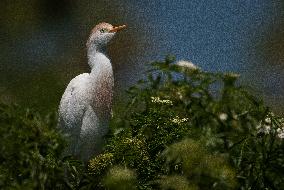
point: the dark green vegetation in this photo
(182, 129)
(30, 149)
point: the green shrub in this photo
(182, 128)
(119, 178)
(30, 149)
(200, 128)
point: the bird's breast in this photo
(103, 93)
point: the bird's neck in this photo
(97, 58)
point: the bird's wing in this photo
(71, 110)
(73, 102)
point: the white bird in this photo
(85, 107)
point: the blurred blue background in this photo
(43, 43)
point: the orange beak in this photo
(117, 28)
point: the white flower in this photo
(267, 120)
(177, 120)
(280, 133)
(263, 128)
(184, 119)
(167, 102)
(187, 64)
(223, 116)
(158, 100)
(266, 129)
(155, 99)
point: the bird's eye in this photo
(103, 30)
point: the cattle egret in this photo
(85, 107)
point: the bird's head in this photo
(102, 33)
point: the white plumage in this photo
(85, 107)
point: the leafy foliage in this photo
(199, 128)
(182, 128)
(120, 178)
(30, 150)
